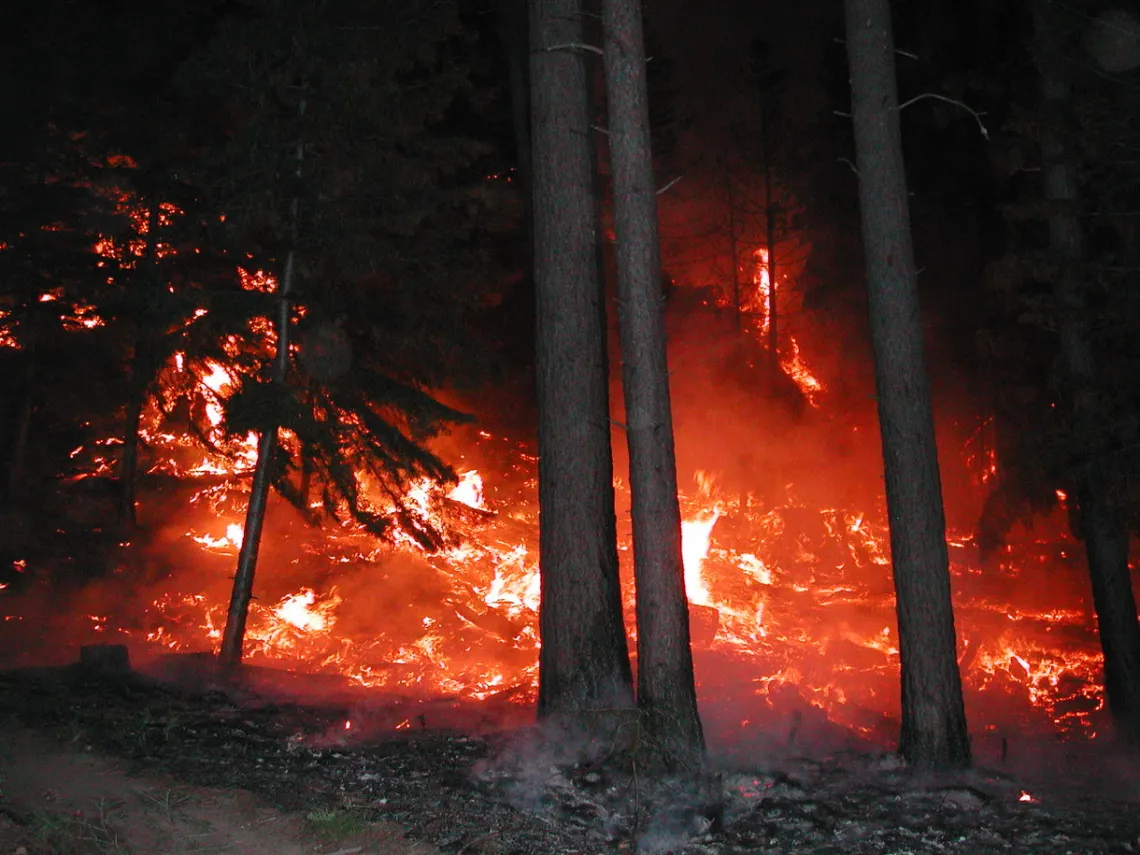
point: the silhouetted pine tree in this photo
(344, 173)
(51, 216)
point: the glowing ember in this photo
(257, 280)
(7, 338)
(82, 316)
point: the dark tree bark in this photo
(141, 367)
(234, 635)
(513, 24)
(1102, 521)
(769, 83)
(128, 462)
(666, 693)
(733, 245)
(770, 238)
(934, 734)
(27, 407)
(584, 661)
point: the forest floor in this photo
(99, 763)
(66, 799)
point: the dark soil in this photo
(378, 789)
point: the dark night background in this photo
(119, 73)
(168, 135)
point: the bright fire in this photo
(759, 304)
(696, 535)
(791, 598)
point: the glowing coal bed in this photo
(792, 606)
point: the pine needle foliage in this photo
(340, 145)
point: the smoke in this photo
(747, 434)
(532, 765)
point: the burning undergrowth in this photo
(398, 648)
(792, 606)
(786, 564)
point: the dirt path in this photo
(56, 800)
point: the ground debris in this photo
(465, 793)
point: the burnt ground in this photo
(125, 763)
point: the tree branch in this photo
(575, 46)
(977, 116)
(908, 54)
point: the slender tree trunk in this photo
(666, 691)
(1102, 521)
(584, 660)
(139, 379)
(734, 246)
(234, 635)
(770, 223)
(934, 731)
(19, 452)
(129, 460)
(513, 25)
(1106, 539)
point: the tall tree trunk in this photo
(141, 366)
(666, 693)
(734, 246)
(234, 635)
(934, 731)
(19, 451)
(770, 224)
(513, 24)
(1102, 521)
(129, 459)
(584, 660)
